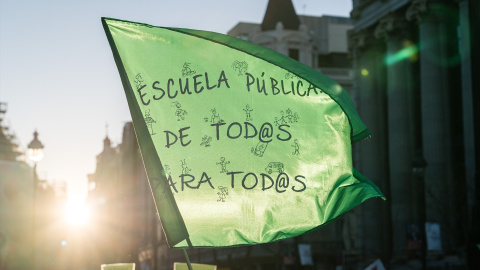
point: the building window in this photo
(293, 53)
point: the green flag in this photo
(118, 266)
(195, 266)
(242, 145)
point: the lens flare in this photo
(409, 51)
(76, 212)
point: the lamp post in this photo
(35, 154)
(418, 168)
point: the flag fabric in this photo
(242, 145)
(118, 266)
(195, 266)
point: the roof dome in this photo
(280, 11)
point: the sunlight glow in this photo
(76, 212)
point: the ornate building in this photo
(318, 42)
(122, 205)
(29, 216)
(16, 203)
(413, 85)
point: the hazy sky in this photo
(58, 76)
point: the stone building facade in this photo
(30, 227)
(413, 83)
(126, 224)
(318, 42)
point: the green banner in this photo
(118, 266)
(195, 266)
(242, 145)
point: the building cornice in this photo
(392, 26)
(428, 10)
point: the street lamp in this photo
(418, 168)
(35, 153)
(35, 149)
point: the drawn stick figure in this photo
(185, 169)
(259, 149)
(223, 164)
(139, 81)
(215, 116)
(206, 140)
(222, 194)
(187, 71)
(149, 121)
(282, 119)
(179, 113)
(166, 169)
(296, 148)
(248, 113)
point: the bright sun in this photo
(76, 212)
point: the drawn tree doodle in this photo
(139, 81)
(296, 148)
(260, 149)
(206, 140)
(276, 121)
(223, 165)
(282, 120)
(187, 71)
(289, 75)
(222, 194)
(275, 167)
(240, 67)
(286, 118)
(149, 121)
(291, 117)
(248, 113)
(185, 169)
(179, 113)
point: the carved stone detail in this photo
(392, 26)
(361, 41)
(420, 10)
(416, 10)
(355, 14)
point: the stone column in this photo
(433, 29)
(467, 100)
(370, 155)
(394, 30)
